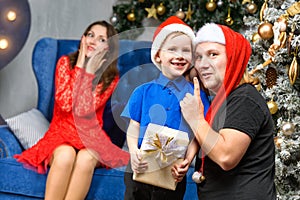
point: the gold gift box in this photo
(162, 147)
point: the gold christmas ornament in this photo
(180, 14)
(294, 9)
(151, 12)
(229, 21)
(131, 16)
(288, 128)
(293, 70)
(262, 10)
(260, 66)
(211, 6)
(161, 9)
(271, 77)
(188, 13)
(272, 105)
(251, 8)
(255, 37)
(279, 33)
(258, 87)
(265, 30)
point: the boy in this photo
(157, 102)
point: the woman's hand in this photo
(82, 53)
(180, 170)
(96, 61)
(137, 163)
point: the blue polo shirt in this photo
(158, 102)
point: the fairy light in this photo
(11, 15)
(3, 43)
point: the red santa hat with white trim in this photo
(171, 25)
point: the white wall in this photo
(65, 19)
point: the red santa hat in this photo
(171, 25)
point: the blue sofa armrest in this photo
(9, 144)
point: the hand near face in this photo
(82, 53)
(96, 61)
(192, 107)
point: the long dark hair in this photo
(112, 56)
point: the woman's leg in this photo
(82, 175)
(61, 167)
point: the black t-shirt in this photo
(253, 178)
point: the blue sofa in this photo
(135, 67)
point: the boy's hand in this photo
(180, 170)
(137, 163)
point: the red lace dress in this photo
(77, 120)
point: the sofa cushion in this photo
(24, 182)
(28, 127)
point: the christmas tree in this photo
(129, 15)
(273, 29)
(275, 39)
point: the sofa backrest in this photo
(134, 64)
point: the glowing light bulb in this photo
(11, 15)
(3, 43)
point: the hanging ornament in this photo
(229, 21)
(255, 37)
(278, 141)
(265, 30)
(151, 11)
(198, 177)
(131, 16)
(272, 105)
(262, 10)
(294, 69)
(260, 66)
(251, 7)
(279, 32)
(141, 1)
(288, 128)
(211, 5)
(258, 86)
(188, 13)
(161, 9)
(294, 9)
(180, 14)
(220, 3)
(114, 19)
(271, 77)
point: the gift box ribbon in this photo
(166, 149)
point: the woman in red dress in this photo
(75, 143)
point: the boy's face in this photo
(175, 55)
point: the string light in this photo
(11, 15)
(3, 43)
